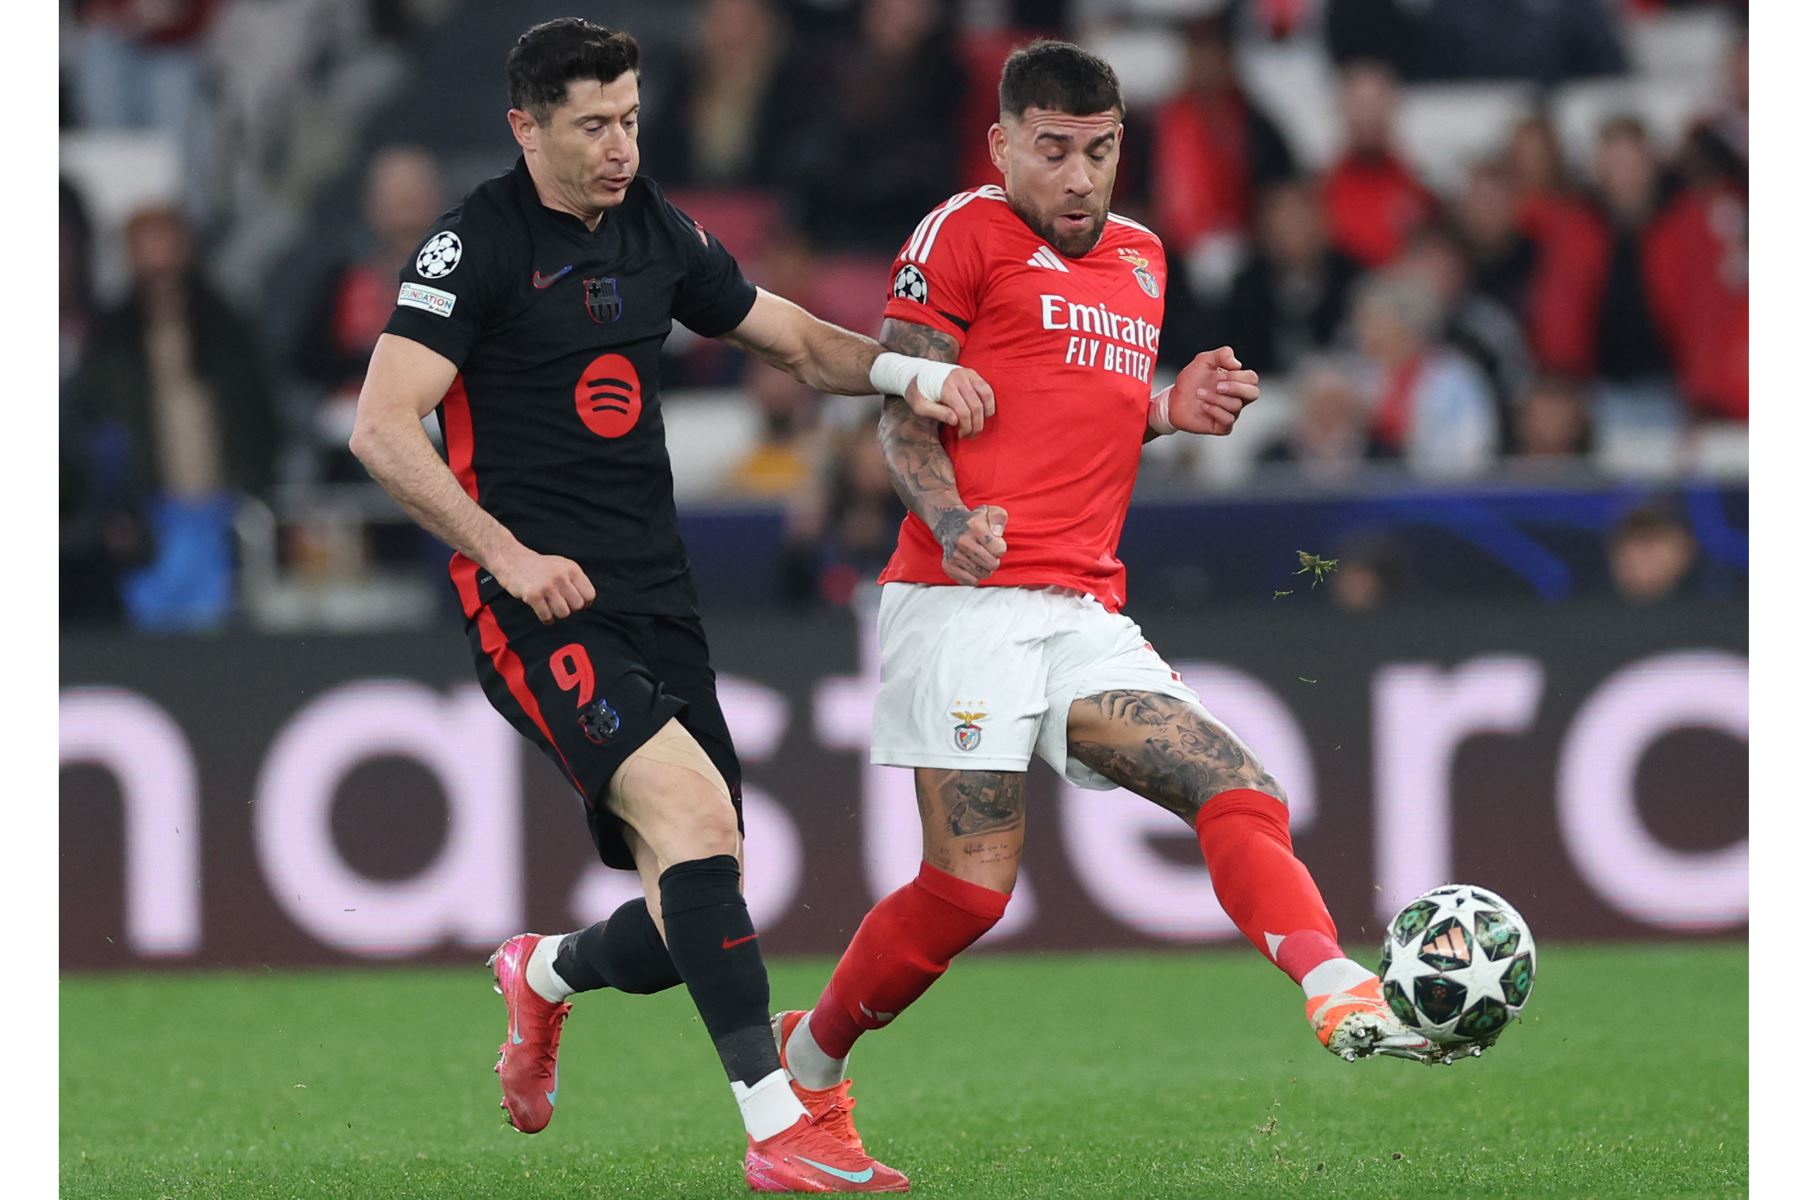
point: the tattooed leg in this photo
(1164, 749)
(1169, 751)
(974, 823)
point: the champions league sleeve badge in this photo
(909, 284)
(439, 256)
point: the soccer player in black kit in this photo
(531, 320)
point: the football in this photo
(1458, 964)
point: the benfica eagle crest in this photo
(1140, 267)
(968, 733)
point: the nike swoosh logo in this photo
(540, 282)
(734, 943)
(875, 1016)
(862, 1176)
(555, 1083)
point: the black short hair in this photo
(1660, 514)
(1058, 77)
(547, 57)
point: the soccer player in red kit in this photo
(1000, 625)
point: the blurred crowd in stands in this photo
(1545, 307)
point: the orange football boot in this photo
(804, 1157)
(1358, 1021)
(830, 1106)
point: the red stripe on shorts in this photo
(493, 642)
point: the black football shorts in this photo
(593, 687)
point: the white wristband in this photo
(890, 374)
(1159, 412)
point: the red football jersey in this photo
(1069, 346)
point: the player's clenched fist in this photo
(554, 586)
(965, 401)
(1210, 392)
(972, 543)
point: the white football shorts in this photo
(979, 679)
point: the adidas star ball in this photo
(1458, 964)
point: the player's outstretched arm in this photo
(923, 475)
(1206, 397)
(406, 380)
(832, 359)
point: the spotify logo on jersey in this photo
(607, 397)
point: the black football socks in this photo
(624, 952)
(712, 943)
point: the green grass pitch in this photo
(1018, 1076)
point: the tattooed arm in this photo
(921, 471)
(823, 356)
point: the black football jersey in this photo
(553, 424)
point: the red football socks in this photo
(900, 949)
(1267, 892)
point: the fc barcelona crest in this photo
(968, 733)
(1140, 269)
(599, 721)
(601, 296)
